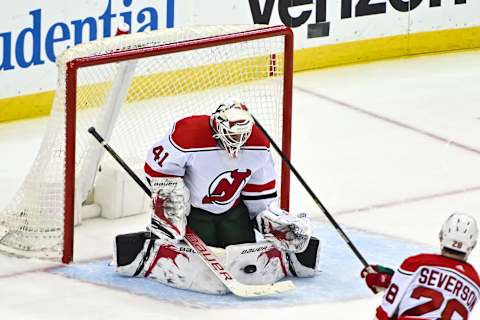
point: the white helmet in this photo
(459, 233)
(232, 125)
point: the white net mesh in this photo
(133, 104)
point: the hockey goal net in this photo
(132, 88)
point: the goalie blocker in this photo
(142, 254)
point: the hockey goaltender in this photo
(215, 173)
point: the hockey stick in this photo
(197, 244)
(312, 194)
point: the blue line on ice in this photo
(339, 278)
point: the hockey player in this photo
(216, 174)
(431, 286)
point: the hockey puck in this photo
(250, 269)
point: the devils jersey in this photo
(217, 182)
(430, 286)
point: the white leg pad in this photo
(175, 265)
(263, 263)
(3, 232)
(256, 263)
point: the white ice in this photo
(390, 147)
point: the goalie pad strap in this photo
(291, 269)
(145, 257)
(157, 225)
(308, 258)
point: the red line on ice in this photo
(408, 200)
(391, 121)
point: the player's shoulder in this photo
(257, 140)
(193, 134)
(414, 263)
(473, 274)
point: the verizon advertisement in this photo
(33, 33)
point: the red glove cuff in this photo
(381, 280)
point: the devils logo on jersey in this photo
(226, 187)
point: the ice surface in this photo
(391, 148)
(338, 279)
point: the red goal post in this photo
(119, 84)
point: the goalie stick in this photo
(312, 194)
(197, 244)
(337, 227)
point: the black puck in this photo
(250, 268)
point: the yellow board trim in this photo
(257, 68)
(178, 81)
(387, 47)
(26, 106)
(39, 104)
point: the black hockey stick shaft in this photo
(125, 166)
(314, 197)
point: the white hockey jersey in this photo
(216, 181)
(431, 286)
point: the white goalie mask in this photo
(232, 125)
(459, 233)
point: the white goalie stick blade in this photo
(248, 290)
(237, 288)
(3, 232)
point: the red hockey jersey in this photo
(431, 286)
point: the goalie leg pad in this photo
(305, 264)
(176, 265)
(256, 263)
(128, 246)
(263, 263)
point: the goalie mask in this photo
(459, 233)
(232, 125)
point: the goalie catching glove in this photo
(286, 231)
(171, 206)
